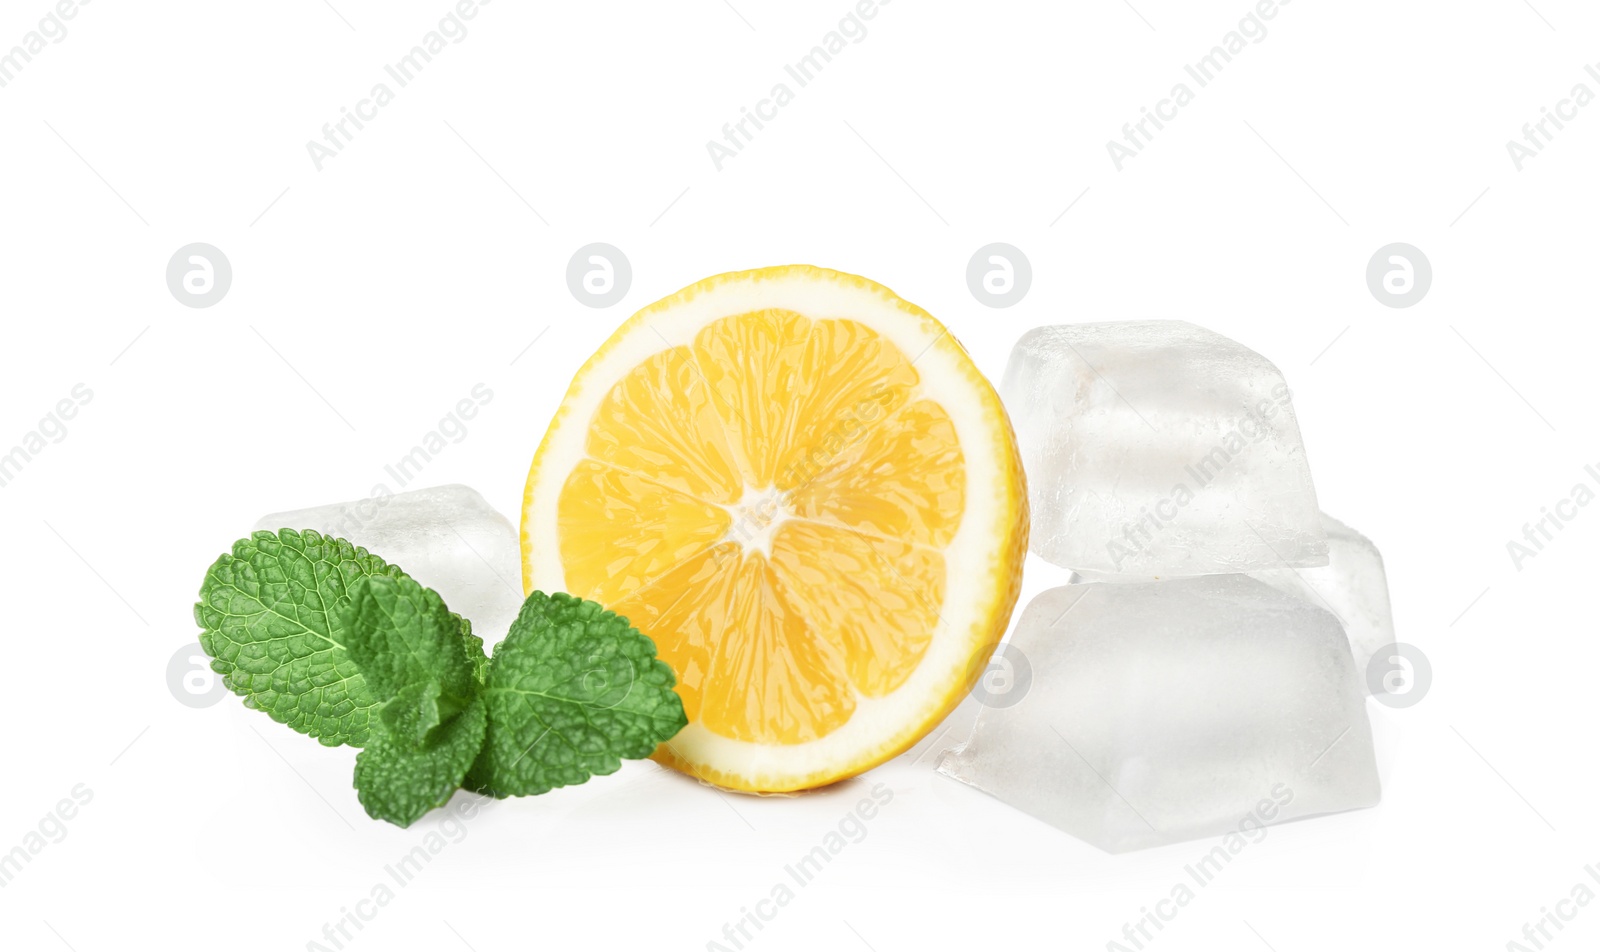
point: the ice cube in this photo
(1166, 711)
(1352, 586)
(448, 538)
(1159, 449)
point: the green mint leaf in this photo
(399, 781)
(400, 634)
(272, 613)
(474, 649)
(423, 662)
(571, 691)
(416, 709)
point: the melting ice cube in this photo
(1159, 449)
(448, 538)
(1166, 711)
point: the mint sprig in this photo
(338, 644)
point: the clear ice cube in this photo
(1352, 586)
(448, 538)
(1159, 449)
(1166, 711)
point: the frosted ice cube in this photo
(1166, 711)
(448, 538)
(1159, 449)
(1352, 586)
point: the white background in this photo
(372, 295)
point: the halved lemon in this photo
(802, 489)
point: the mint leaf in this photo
(417, 658)
(399, 782)
(273, 617)
(416, 709)
(571, 691)
(474, 648)
(400, 634)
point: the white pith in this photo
(755, 519)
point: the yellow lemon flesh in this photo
(800, 487)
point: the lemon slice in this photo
(803, 490)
